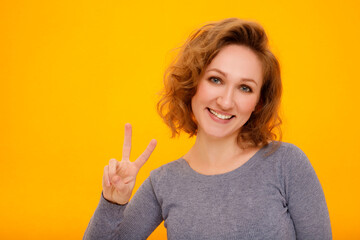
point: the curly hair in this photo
(182, 76)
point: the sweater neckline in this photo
(233, 173)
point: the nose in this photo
(226, 99)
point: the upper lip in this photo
(221, 112)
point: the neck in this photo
(211, 155)
(213, 152)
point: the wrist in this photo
(121, 203)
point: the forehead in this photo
(238, 62)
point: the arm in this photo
(305, 198)
(135, 220)
(115, 215)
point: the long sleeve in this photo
(305, 198)
(135, 220)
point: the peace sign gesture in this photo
(119, 177)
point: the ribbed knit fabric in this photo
(276, 196)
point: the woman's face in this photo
(227, 92)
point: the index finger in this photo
(146, 154)
(127, 142)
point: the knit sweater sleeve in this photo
(305, 197)
(135, 220)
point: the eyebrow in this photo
(224, 74)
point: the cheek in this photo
(248, 105)
(196, 103)
(204, 93)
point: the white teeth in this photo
(225, 117)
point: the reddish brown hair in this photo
(181, 79)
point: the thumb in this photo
(118, 183)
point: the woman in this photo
(236, 182)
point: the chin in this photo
(221, 134)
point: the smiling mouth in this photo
(221, 116)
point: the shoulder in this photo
(288, 156)
(285, 151)
(294, 161)
(167, 171)
(284, 148)
(293, 154)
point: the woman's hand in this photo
(119, 177)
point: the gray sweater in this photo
(276, 196)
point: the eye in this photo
(245, 88)
(215, 80)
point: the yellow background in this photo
(72, 73)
